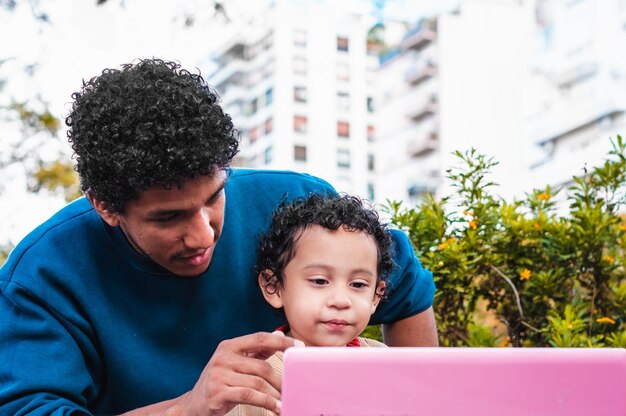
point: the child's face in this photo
(329, 287)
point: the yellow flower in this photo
(544, 196)
(570, 326)
(609, 259)
(525, 274)
(445, 243)
(506, 342)
(605, 320)
(537, 226)
(473, 224)
(622, 227)
(468, 213)
(440, 264)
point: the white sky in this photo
(83, 38)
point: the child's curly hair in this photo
(278, 246)
(148, 123)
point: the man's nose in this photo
(199, 233)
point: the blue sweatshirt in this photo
(90, 326)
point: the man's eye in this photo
(166, 218)
(215, 197)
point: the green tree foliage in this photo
(518, 273)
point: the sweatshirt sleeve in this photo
(410, 288)
(43, 367)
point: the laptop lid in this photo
(454, 381)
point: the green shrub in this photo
(549, 279)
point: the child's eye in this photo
(359, 285)
(319, 281)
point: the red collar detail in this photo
(354, 343)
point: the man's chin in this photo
(186, 270)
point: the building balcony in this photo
(427, 107)
(233, 94)
(422, 145)
(420, 73)
(233, 72)
(233, 49)
(418, 189)
(565, 120)
(421, 35)
(575, 74)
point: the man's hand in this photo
(238, 373)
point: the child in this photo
(323, 261)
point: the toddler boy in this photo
(324, 262)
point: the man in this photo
(138, 298)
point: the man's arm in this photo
(416, 331)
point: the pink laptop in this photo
(454, 381)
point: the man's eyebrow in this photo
(220, 188)
(164, 212)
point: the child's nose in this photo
(339, 299)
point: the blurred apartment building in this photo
(298, 82)
(579, 81)
(407, 139)
(455, 82)
(539, 85)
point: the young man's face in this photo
(329, 287)
(176, 228)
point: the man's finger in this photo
(252, 397)
(262, 344)
(255, 383)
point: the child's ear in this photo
(270, 287)
(378, 294)
(109, 217)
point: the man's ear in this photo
(109, 217)
(270, 287)
(378, 294)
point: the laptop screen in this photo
(454, 381)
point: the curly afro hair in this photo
(278, 246)
(148, 123)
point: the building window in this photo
(299, 65)
(343, 101)
(342, 43)
(370, 133)
(300, 124)
(343, 71)
(252, 107)
(299, 153)
(370, 191)
(370, 162)
(370, 105)
(268, 126)
(253, 134)
(267, 155)
(343, 129)
(299, 94)
(299, 38)
(269, 96)
(343, 158)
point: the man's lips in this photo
(198, 258)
